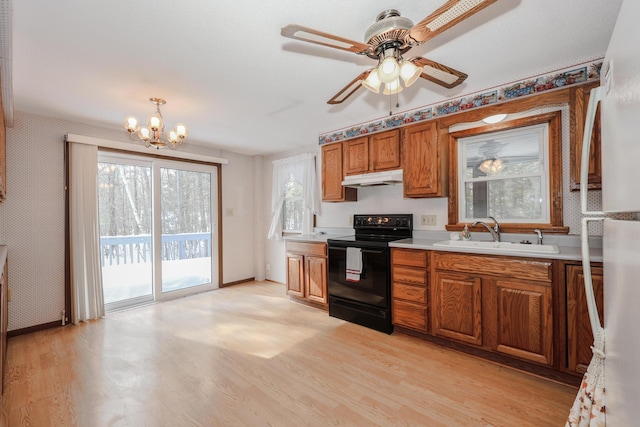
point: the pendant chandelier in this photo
(153, 134)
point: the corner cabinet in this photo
(579, 334)
(409, 288)
(332, 176)
(424, 161)
(307, 271)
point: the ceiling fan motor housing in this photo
(389, 28)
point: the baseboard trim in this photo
(35, 328)
(238, 282)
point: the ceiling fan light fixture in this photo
(388, 70)
(392, 88)
(372, 82)
(409, 72)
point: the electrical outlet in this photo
(427, 220)
(267, 267)
(229, 211)
(350, 219)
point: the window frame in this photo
(541, 133)
(554, 162)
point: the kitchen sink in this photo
(504, 247)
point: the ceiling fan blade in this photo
(438, 73)
(305, 34)
(349, 89)
(451, 13)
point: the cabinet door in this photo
(316, 278)
(356, 152)
(422, 161)
(384, 151)
(332, 189)
(579, 102)
(579, 334)
(457, 307)
(295, 275)
(525, 320)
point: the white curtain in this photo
(87, 300)
(303, 169)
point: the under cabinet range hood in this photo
(375, 178)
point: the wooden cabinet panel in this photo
(524, 320)
(409, 288)
(423, 162)
(579, 334)
(295, 274)
(493, 265)
(356, 156)
(316, 279)
(579, 100)
(410, 315)
(410, 293)
(384, 151)
(412, 275)
(332, 176)
(457, 307)
(307, 271)
(409, 257)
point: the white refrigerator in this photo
(619, 96)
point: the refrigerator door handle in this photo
(595, 97)
(596, 326)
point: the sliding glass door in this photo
(158, 222)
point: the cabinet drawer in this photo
(411, 257)
(410, 293)
(416, 276)
(410, 315)
(305, 248)
(504, 267)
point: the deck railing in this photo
(116, 250)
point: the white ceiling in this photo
(227, 73)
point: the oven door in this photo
(373, 288)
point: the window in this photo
(511, 171)
(504, 175)
(293, 206)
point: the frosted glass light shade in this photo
(494, 119)
(155, 122)
(388, 70)
(392, 88)
(131, 124)
(372, 82)
(182, 131)
(144, 133)
(409, 72)
(172, 136)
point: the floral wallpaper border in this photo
(566, 77)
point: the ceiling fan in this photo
(387, 40)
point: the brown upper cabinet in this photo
(332, 176)
(580, 101)
(372, 153)
(424, 162)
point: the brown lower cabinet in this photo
(307, 271)
(579, 335)
(409, 288)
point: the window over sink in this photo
(511, 171)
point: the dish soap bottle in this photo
(466, 235)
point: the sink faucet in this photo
(495, 231)
(539, 233)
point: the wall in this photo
(32, 217)
(389, 200)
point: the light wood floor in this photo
(248, 356)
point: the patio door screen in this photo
(157, 228)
